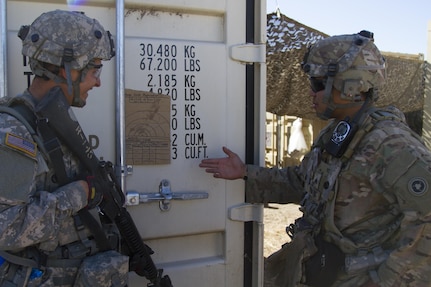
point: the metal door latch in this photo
(164, 196)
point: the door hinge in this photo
(249, 53)
(246, 212)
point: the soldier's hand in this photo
(230, 167)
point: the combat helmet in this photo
(65, 39)
(351, 64)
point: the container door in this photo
(193, 55)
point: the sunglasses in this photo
(317, 84)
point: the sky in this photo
(399, 26)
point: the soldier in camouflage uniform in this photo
(364, 187)
(42, 240)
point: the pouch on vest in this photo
(104, 269)
(322, 268)
(18, 275)
(285, 267)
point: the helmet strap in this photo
(327, 99)
(67, 63)
(68, 69)
(331, 106)
(39, 70)
(76, 100)
(72, 86)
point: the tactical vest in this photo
(321, 171)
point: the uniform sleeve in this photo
(403, 174)
(39, 220)
(27, 215)
(273, 185)
(411, 261)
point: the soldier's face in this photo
(317, 92)
(339, 113)
(317, 101)
(88, 78)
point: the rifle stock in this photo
(61, 119)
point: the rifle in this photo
(59, 116)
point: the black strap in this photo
(51, 144)
(26, 113)
(53, 147)
(18, 259)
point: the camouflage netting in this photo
(288, 87)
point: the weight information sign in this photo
(187, 75)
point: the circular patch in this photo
(418, 186)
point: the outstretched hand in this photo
(230, 167)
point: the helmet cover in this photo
(59, 37)
(353, 60)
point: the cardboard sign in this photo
(147, 128)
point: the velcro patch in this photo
(418, 186)
(26, 146)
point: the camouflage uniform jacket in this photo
(34, 211)
(380, 200)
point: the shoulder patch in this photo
(418, 186)
(24, 145)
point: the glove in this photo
(95, 191)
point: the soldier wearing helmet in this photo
(44, 193)
(363, 188)
(72, 41)
(351, 64)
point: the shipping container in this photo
(206, 59)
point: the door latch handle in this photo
(164, 196)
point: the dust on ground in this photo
(275, 218)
